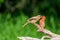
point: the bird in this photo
(42, 23)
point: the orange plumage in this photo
(42, 23)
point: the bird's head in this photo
(43, 17)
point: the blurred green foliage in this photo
(14, 14)
(1, 1)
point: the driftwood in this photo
(51, 35)
(28, 38)
(32, 20)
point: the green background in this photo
(14, 13)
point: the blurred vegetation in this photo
(14, 13)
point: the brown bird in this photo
(42, 23)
